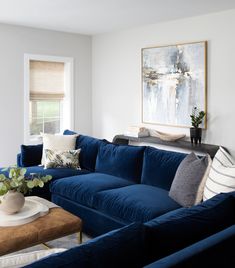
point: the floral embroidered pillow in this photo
(62, 159)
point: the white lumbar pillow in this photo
(57, 142)
(221, 177)
(20, 260)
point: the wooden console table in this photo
(203, 148)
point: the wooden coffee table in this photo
(57, 223)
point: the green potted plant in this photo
(196, 119)
(15, 186)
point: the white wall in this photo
(14, 42)
(116, 66)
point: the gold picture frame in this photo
(174, 80)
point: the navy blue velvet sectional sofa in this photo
(117, 185)
(121, 194)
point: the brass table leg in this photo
(46, 246)
(80, 237)
(79, 241)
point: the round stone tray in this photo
(31, 211)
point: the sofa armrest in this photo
(18, 160)
(123, 247)
(214, 251)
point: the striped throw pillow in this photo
(221, 177)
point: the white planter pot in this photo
(12, 202)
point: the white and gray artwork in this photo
(174, 81)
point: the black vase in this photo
(195, 135)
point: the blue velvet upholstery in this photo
(56, 173)
(120, 160)
(69, 132)
(135, 203)
(103, 222)
(83, 188)
(31, 155)
(89, 148)
(215, 251)
(113, 200)
(120, 248)
(183, 227)
(18, 160)
(159, 167)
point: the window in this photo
(48, 96)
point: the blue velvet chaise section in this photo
(137, 245)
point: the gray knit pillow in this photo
(188, 185)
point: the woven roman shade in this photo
(46, 80)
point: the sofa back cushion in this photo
(31, 155)
(123, 161)
(183, 227)
(159, 167)
(89, 148)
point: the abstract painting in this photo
(173, 82)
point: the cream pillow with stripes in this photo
(221, 177)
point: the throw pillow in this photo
(221, 178)
(57, 142)
(188, 184)
(31, 155)
(62, 159)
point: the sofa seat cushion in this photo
(56, 173)
(159, 167)
(82, 188)
(123, 161)
(135, 202)
(183, 227)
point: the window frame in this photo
(69, 93)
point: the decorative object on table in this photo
(137, 132)
(15, 186)
(62, 159)
(166, 136)
(196, 120)
(31, 210)
(173, 81)
(221, 176)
